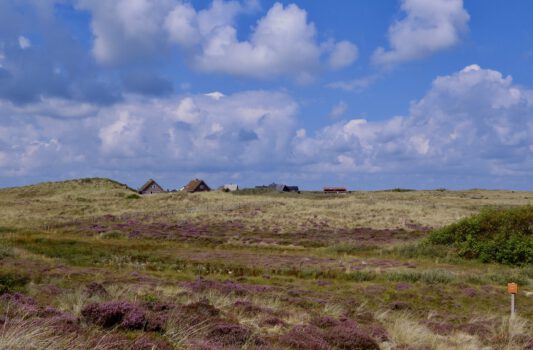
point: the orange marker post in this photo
(512, 288)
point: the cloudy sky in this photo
(365, 94)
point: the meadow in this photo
(89, 264)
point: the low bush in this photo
(351, 248)
(429, 276)
(116, 313)
(495, 235)
(10, 281)
(422, 249)
(360, 276)
(113, 234)
(6, 252)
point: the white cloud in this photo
(428, 27)
(215, 95)
(338, 110)
(24, 43)
(475, 122)
(343, 55)
(283, 42)
(471, 122)
(123, 136)
(240, 131)
(127, 29)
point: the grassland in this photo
(89, 264)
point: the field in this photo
(89, 264)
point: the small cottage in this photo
(335, 190)
(285, 188)
(151, 187)
(230, 187)
(196, 185)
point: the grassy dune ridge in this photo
(257, 271)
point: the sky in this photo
(365, 94)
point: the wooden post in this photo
(512, 288)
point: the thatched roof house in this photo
(151, 187)
(285, 188)
(196, 185)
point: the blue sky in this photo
(364, 94)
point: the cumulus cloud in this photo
(58, 67)
(344, 53)
(475, 121)
(194, 133)
(428, 27)
(283, 42)
(126, 29)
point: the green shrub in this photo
(133, 196)
(113, 234)
(6, 252)
(10, 281)
(422, 249)
(504, 236)
(360, 276)
(429, 276)
(351, 248)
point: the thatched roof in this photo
(150, 183)
(196, 185)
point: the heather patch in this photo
(330, 333)
(305, 337)
(278, 273)
(95, 289)
(225, 333)
(117, 313)
(200, 285)
(197, 313)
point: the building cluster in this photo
(199, 185)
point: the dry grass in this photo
(42, 236)
(60, 202)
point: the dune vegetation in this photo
(89, 264)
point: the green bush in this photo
(10, 281)
(113, 234)
(360, 276)
(428, 277)
(6, 252)
(133, 196)
(494, 235)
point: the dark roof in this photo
(335, 189)
(195, 185)
(148, 184)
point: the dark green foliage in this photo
(4, 229)
(133, 196)
(421, 249)
(427, 277)
(10, 281)
(6, 252)
(494, 235)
